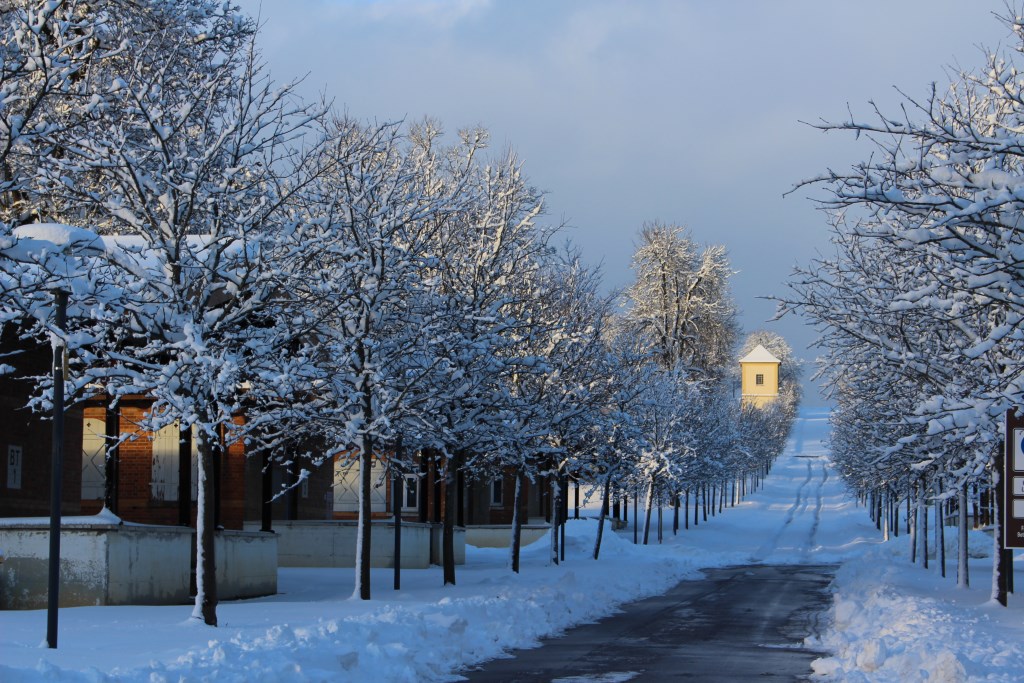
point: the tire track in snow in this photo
(801, 499)
(812, 541)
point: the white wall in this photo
(500, 535)
(331, 543)
(110, 564)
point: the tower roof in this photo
(759, 355)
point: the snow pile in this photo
(892, 621)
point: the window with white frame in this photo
(411, 492)
(346, 486)
(166, 450)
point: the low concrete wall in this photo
(500, 535)
(332, 543)
(127, 564)
(100, 564)
(437, 544)
(246, 564)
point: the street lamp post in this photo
(57, 467)
(55, 250)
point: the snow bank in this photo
(893, 621)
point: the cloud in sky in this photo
(683, 111)
(438, 13)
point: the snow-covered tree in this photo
(615, 434)
(487, 291)
(377, 217)
(567, 388)
(680, 302)
(926, 284)
(188, 164)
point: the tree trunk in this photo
(661, 535)
(1000, 566)
(363, 528)
(604, 513)
(924, 528)
(112, 429)
(647, 513)
(450, 510)
(686, 509)
(396, 503)
(206, 565)
(883, 515)
(636, 495)
(908, 516)
(895, 515)
(564, 518)
(675, 514)
(517, 525)
(962, 574)
(913, 532)
(696, 505)
(267, 493)
(876, 508)
(940, 537)
(556, 515)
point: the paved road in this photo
(737, 624)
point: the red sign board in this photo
(1013, 482)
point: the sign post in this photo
(1013, 482)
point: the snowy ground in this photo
(890, 621)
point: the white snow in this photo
(890, 621)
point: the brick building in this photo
(154, 475)
(26, 437)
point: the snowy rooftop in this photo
(759, 355)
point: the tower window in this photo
(759, 380)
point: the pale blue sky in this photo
(684, 111)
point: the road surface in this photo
(739, 623)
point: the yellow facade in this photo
(759, 377)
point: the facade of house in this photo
(26, 437)
(154, 474)
(151, 478)
(759, 377)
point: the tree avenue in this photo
(268, 271)
(920, 310)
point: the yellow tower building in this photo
(759, 377)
